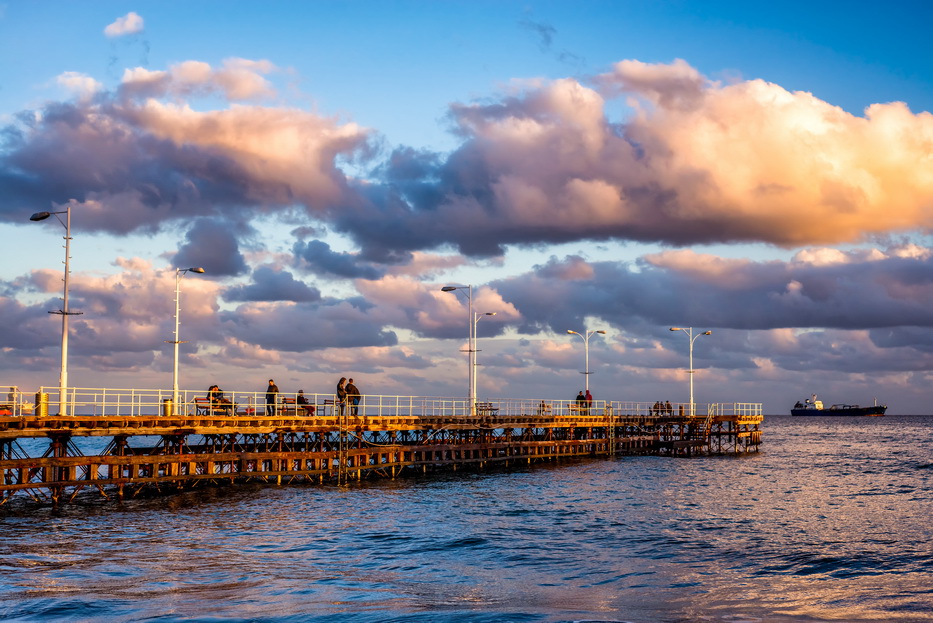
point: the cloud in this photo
(319, 258)
(867, 290)
(80, 84)
(270, 284)
(212, 245)
(301, 327)
(144, 164)
(237, 80)
(129, 24)
(695, 162)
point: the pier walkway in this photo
(124, 442)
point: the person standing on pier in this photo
(353, 397)
(581, 402)
(272, 393)
(342, 394)
(589, 401)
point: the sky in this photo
(764, 172)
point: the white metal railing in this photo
(149, 402)
(680, 409)
(15, 401)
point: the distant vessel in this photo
(812, 406)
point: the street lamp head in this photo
(573, 332)
(40, 216)
(448, 288)
(708, 333)
(601, 332)
(490, 313)
(196, 270)
(676, 329)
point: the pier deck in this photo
(43, 457)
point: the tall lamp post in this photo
(63, 374)
(470, 349)
(178, 273)
(691, 371)
(476, 318)
(586, 349)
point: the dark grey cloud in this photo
(269, 284)
(212, 244)
(308, 326)
(685, 289)
(319, 258)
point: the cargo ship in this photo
(812, 406)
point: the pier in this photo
(142, 443)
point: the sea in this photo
(830, 521)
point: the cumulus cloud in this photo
(866, 290)
(80, 84)
(212, 245)
(238, 79)
(318, 257)
(129, 24)
(145, 163)
(696, 162)
(269, 284)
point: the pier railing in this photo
(153, 402)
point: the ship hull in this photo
(873, 411)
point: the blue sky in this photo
(612, 165)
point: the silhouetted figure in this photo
(272, 393)
(353, 397)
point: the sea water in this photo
(831, 521)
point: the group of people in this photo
(218, 400)
(584, 402)
(664, 408)
(348, 394)
(272, 393)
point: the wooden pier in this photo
(169, 453)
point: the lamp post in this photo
(476, 318)
(586, 349)
(470, 349)
(178, 273)
(63, 374)
(691, 371)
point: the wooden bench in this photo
(322, 407)
(290, 406)
(486, 408)
(204, 406)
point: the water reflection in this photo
(830, 522)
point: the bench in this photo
(204, 406)
(486, 408)
(322, 407)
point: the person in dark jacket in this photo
(302, 402)
(353, 397)
(342, 394)
(272, 393)
(581, 402)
